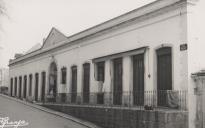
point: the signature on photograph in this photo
(5, 123)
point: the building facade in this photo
(4, 79)
(141, 59)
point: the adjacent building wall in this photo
(4, 77)
(196, 45)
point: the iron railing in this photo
(146, 100)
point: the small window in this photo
(101, 71)
(63, 75)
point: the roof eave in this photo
(113, 22)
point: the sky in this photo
(29, 21)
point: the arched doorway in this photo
(53, 81)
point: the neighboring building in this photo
(143, 59)
(4, 80)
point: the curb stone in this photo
(60, 114)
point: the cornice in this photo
(148, 11)
(192, 2)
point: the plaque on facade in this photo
(183, 47)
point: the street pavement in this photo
(36, 118)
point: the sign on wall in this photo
(183, 47)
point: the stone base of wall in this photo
(61, 97)
(30, 98)
(126, 118)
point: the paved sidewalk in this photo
(60, 114)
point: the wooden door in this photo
(30, 84)
(20, 84)
(25, 86)
(43, 86)
(86, 83)
(11, 87)
(15, 94)
(138, 79)
(164, 74)
(74, 84)
(36, 87)
(117, 85)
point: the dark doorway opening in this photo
(164, 74)
(86, 82)
(15, 93)
(100, 79)
(11, 87)
(20, 86)
(25, 86)
(36, 86)
(53, 81)
(74, 84)
(138, 79)
(43, 76)
(30, 84)
(117, 85)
